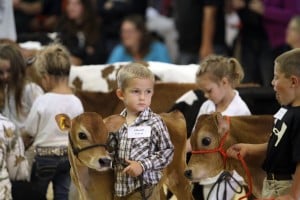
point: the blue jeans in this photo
(51, 168)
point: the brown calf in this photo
(91, 170)
(90, 162)
(174, 173)
(213, 130)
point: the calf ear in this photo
(222, 123)
(63, 121)
(114, 122)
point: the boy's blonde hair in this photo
(219, 67)
(289, 62)
(131, 71)
(53, 59)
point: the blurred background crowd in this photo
(172, 31)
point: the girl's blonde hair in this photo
(219, 67)
(289, 62)
(131, 71)
(53, 59)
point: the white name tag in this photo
(139, 131)
(280, 113)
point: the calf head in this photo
(212, 136)
(88, 135)
(90, 161)
(208, 135)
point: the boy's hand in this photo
(134, 168)
(236, 149)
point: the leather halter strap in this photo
(77, 150)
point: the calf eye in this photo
(82, 136)
(206, 141)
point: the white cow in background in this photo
(100, 78)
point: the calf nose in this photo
(105, 162)
(188, 173)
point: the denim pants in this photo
(51, 168)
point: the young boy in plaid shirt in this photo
(144, 145)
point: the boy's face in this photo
(283, 87)
(137, 95)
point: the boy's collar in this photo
(143, 116)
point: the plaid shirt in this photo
(154, 152)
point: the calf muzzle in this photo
(105, 162)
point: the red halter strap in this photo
(219, 149)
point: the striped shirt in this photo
(154, 152)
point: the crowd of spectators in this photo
(92, 30)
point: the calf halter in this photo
(222, 151)
(77, 150)
(219, 149)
